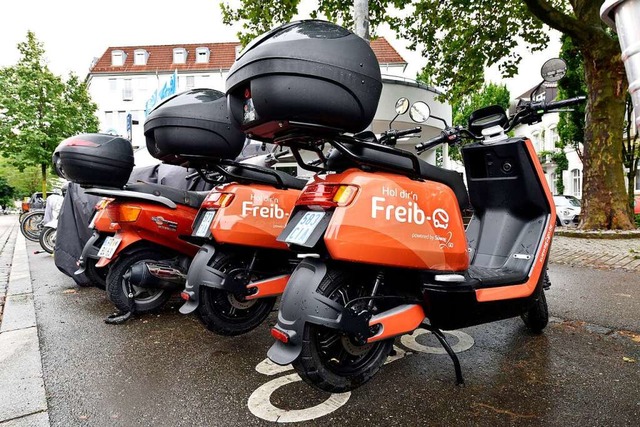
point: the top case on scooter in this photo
(192, 123)
(94, 160)
(305, 74)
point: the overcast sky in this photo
(76, 31)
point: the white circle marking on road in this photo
(267, 367)
(260, 403)
(465, 342)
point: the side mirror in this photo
(402, 106)
(553, 70)
(420, 112)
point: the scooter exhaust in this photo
(156, 276)
(396, 321)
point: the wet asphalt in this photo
(168, 370)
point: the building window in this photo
(238, 50)
(638, 180)
(108, 119)
(576, 183)
(179, 55)
(117, 58)
(535, 139)
(140, 57)
(554, 138)
(202, 55)
(127, 91)
(113, 85)
(190, 82)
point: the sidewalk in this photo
(596, 253)
(22, 394)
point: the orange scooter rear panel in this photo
(399, 222)
(255, 217)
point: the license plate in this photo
(304, 228)
(203, 229)
(109, 247)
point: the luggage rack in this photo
(202, 163)
(315, 141)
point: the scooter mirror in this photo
(402, 106)
(420, 112)
(553, 70)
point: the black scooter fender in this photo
(301, 304)
(201, 274)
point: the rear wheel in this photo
(332, 360)
(48, 239)
(31, 225)
(226, 313)
(146, 299)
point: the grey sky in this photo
(76, 31)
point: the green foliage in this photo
(24, 182)
(571, 125)
(38, 109)
(637, 220)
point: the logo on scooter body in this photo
(255, 208)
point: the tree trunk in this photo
(43, 167)
(604, 199)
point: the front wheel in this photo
(537, 317)
(31, 225)
(332, 360)
(48, 239)
(226, 313)
(145, 299)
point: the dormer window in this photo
(202, 55)
(238, 50)
(117, 58)
(179, 55)
(140, 57)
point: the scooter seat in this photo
(268, 177)
(336, 161)
(181, 197)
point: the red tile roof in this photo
(222, 57)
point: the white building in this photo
(125, 77)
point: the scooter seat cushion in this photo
(268, 177)
(178, 196)
(452, 179)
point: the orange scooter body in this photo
(255, 217)
(153, 223)
(396, 221)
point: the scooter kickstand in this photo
(121, 317)
(454, 357)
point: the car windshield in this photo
(566, 201)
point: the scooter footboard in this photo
(301, 304)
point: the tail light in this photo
(123, 212)
(217, 200)
(279, 335)
(327, 195)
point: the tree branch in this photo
(544, 11)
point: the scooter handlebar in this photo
(555, 105)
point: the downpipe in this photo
(153, 275)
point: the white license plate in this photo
(205, 223)
(109, 247)
(304, 228)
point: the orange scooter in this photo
(138, 242)
(241, 268)
(394, 251)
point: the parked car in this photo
(636, 205)
(567, 210)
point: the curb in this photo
(595, 234)
(23, 400)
